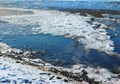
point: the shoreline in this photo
(79, 73)
(93, 12)
(83, 12)
(5, 11)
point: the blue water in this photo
(61, 51)
(47, 4)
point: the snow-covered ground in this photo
(12, 73)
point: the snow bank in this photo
(68, 25)
(98, 73)
(12, 73)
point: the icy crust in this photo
(12, 71)
(65, 24)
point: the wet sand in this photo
(12, 11)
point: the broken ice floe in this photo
(68, 25)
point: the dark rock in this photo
(5, 81)
(116, 70)
(84, 72)
(44, 74)
(109, 79)
(51, 77)
(65, 80)
(58, 77)
(119, 76)
(19, 58)
(25, 81)
(3, 21)
(17, 61)
(92, 19)
(90, 22)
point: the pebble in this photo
(58, 77)
(51, 77)
(25, 81)
(65, 80)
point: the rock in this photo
(116, 70)
(25, 81)
(17, 61)
(84, 72)
(5, 81)
(58, 77)
(65, 80)
(92, 19)
(51, 77)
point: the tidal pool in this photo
(61, 51)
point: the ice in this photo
(68, 25)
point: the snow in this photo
(98, 73)
(66, 24)
(16, 72)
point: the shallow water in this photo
(61, 51)
(46, 4)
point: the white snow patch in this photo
(12, 72)
(98, 73)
